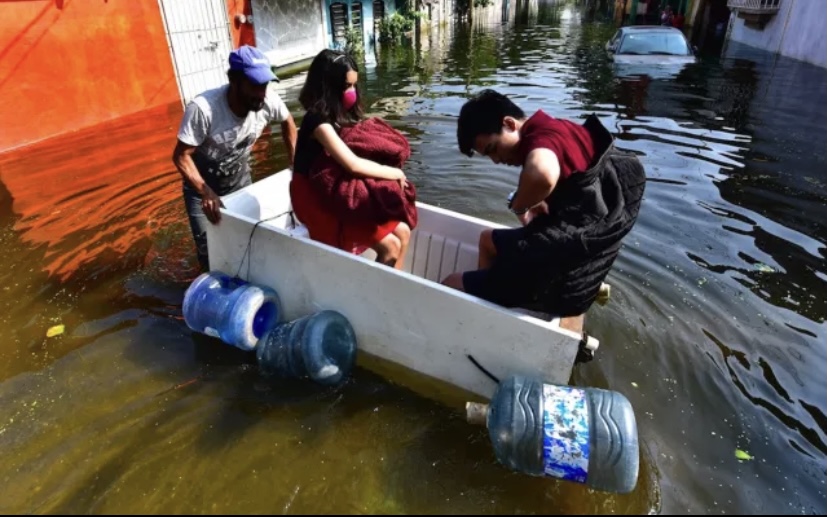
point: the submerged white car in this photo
(650, 49)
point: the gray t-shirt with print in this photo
(223, 140)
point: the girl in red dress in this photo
(330, 97)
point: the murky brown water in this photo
(716, 329)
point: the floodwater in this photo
(715, 332)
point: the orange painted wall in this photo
(242, 33)
(69, 64)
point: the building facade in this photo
(792, 28)
(66, 65)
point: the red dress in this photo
(325, 227)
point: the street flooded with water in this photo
(715, 331)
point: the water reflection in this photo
(82, 200)
(83, 212)
(715, 332)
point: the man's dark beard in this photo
(254, 104)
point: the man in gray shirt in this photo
(217, 134)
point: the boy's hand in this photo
(539, 209)
(524, 218)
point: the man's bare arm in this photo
(289, 135)
(210, 202)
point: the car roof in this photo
(647, 28)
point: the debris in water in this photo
(764, 268)
(290, 501)
(56, 330)
(742, 456)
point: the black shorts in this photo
(514, 280)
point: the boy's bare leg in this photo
(487, 251)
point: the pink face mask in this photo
(349, 98)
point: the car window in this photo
(659, 42)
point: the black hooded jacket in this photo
(567, 253)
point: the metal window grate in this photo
(338, 21)
(198, 32)
(755, 6)
(356, 15)
(378, 14)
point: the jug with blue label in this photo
(583, 435)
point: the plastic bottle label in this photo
(565, 433)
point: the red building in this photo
(70, 64)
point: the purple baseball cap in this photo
(253, 63)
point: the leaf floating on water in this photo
(56, 330)
(764, 268)
(741, 455)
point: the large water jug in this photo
(583, 435)
(231, 309)
(320, 346)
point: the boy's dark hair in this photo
(483, 114)
(324, 85)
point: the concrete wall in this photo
(289, 30)
(70, 64)
(65, 65)
(797, 31)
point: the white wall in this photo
(796, 31)
(288, 31)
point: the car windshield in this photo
(656, 42)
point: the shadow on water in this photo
(715, 331)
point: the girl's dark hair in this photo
(325, 83)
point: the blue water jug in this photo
(320, 346)
(584, 435)
(231, 309)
